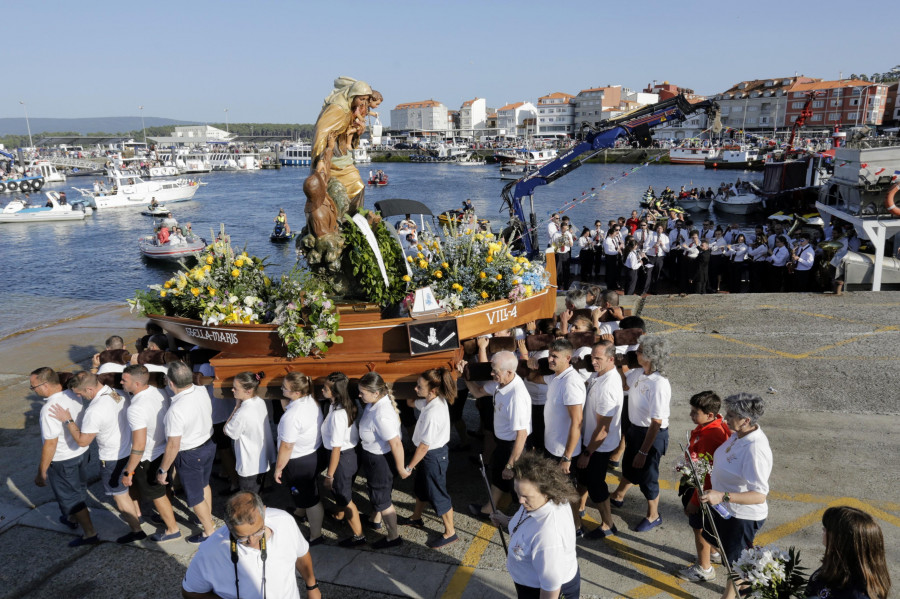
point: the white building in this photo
(473, 117)
(640, 98)
(193, 135)
(428, 117)
(590, 103)
(511, 119)
(556, 115)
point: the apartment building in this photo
(590, 103)
(427, 117)
(511, 119)
(555, 115)
(847, 102)
(759, 104)
(473, 117)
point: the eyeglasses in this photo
(36, 387)
(251, 538)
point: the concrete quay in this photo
(827, 365)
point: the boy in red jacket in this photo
(711, 431)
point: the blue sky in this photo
(274, 61)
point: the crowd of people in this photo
(555, 417)
(658, 253)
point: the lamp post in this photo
(27, 124)
(226, 121)
(143, 128)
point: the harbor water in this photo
(55, 271)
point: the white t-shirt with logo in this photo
(336, 432)
(254, 446)
(563, 390)
(433, 425)
(148, 411)
(542, 550)
(51, 428)
(512, 408)
(605, 398)
(744, 464)
(108, 419)
(190, 417)
(649, 396)
(379, 424)
(301, 424)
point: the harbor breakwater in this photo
(608, 156)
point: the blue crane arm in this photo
(7, 154)
(634, 125)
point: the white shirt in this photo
(717, 246)
(537, 391)
(563, 241)
(512, 408)
(633, 261)
(301, 424)
(563, 390)
(110, 367)
(806, 256)
(211, 569)
(379, 424)
(744, 464)
(148, 411)
(605, 397)
(221, 407)
(51, 428)
(552, 230)
(433, 425)
(108, 419)
(759, 253)
(611, 245)
(336, 432)
(677, 237)
(649, 398)
(254, 447)
(578, 354)
(780, 256)
(542, 546)
(190, 417)
(738, 252)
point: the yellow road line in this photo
(662, 582)
(469, 562)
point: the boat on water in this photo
(47, 170)
(155, 172)
(693, 204)
(19, 183)
(126, 188)
(470, 159)
(279, 235)
(527, 157)
(151, 248)
(691, 153)
(229, 161)
(55, 209)
(740, 157)
(295, 155)
(361, 156)
(156, 211)
(379, 179)
(745, 201)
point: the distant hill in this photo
(110, 124)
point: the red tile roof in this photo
(511, 106)
(425, 104)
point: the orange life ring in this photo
(889, 200)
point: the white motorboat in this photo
(126, 188)
(691, 153)
(744, 202)
(361, 156)
(154, 172)
(229, 161)
(295, 155)
(693, 204)
(17, 211)
(151, 248)
(46, 170)
(744, 157)
(470, 159)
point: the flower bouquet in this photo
(702, 464)
(770, 573)
(467, 268)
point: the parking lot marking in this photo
(469, 562)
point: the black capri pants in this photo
(380, 471)
(301, 475)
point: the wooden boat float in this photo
(370, 342)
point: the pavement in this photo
(827, 366)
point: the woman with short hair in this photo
(740, 479)
(299, 438)
(853, 566)
(382, 455)
(542, 560)
(248, 426)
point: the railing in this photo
(74, 162)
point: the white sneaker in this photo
(695, 573)
(715, 557)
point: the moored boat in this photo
(744, 202)
(17, 211)
(126, 188)
(691, 154)
(741, 157)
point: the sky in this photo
(274, 61)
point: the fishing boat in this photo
(742, 157)
(17, 211)
(126, 188)
(150, 248)
(689, 153)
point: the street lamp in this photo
(27, 123)
(143, 128)
(226, 120)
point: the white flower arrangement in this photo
(770, 573)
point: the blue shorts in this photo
(68, 480)
(648, 476)
(342, 485)
(569, 590)
(111, 475)
(431, 480)
(379, 471)
(300, 474)
(737, 534)
(593, 478)
(194, 469)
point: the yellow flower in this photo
(529, 291)
(244, 254)
(209, 260)
(489, 259)
(457, 286)
(181, 283)
(423, 264)
(484, 294)
(479, 237)
(235, 273)
(489, 235)
(419, 246)
(207, 268)
(515, 281)
(420, 255)
(516, 269)
(162, 293)
(246, 320)
(406, 278)
(239, 262)
(438, 274)
(494, 247)
(482, 274)
(409, 258)
(167, 284)
(468, 231)
(195, 291)
(445, 265)
(520, 260)
(267, 281)
(212, 291)
(499, 277)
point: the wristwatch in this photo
(66, 423)
(565, 458)
(160, 471)
(509, 467)
(127, 473)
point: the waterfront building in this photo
(757, 105)
(193, 135)
(511, 119)
(473, 117)
(892, 106)
(638, 99)
(848, 102)
(426, 118)
(666, 90)
(589, 104)
(556, 115)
